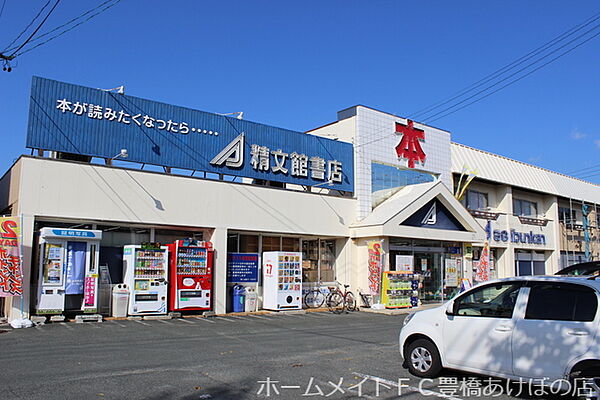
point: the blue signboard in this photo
(73, 233)
(242, 267)
(76, 119)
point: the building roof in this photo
(496, 168)
(386, 219)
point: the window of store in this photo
(525, 208)
(271, 243)
(385, 179)
(477, 200)
(245, 243)
(248, 244)
(567, 215)
(318, 260)
(290, 244)
(529, 263)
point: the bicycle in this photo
(315, 297)
(366, 299)
(339, 302)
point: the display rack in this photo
(400, 290)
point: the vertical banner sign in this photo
(375, 267)
(89, 291)
(11, 278)
(482, 274)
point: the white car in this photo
(527, 328)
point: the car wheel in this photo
(423, 359)
(587, 383)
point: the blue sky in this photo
(295, 64)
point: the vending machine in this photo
(282, 280)
(190, 275)
(68, 270)
(400, 289)
(145, 272)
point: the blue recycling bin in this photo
(239, 298)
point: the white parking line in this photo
(204, 319)
(423, 391)
(225, 319)
(236, 317)
(140, 322)
(65, 325)
(164, 322)
(117, 323)
(186, 321)
(259, 317)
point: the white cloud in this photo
(576, 135)
(597, 142)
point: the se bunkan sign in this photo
(92, 122)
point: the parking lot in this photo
(280, 356)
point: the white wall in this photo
(60, 189)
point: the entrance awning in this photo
(423, 211)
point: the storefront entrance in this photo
(439, 265)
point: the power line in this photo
(2, 9)
(580, 170)
(28, 26)
(518, 79)
(507, 67)
(68, 22)
(69, 29)
(35, 31)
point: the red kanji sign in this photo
(410, 147)
(11, 280)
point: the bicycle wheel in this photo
(314, 299)
(335, 302)
(350, 301)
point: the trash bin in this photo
(120, 300)
(251, 300)
(238, 298)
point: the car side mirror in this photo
(450, 308)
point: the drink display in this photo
(145, 271)
(400, 290)
(282, 273)
(190, 275)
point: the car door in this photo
(477, 336)
(559, 325)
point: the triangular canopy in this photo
(422, 211)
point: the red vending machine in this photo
(190, 275)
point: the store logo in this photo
(431, 216)
(410, 145)
(232, 155)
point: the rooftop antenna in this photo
(240, 114)
(118, 89)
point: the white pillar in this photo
(218, 237)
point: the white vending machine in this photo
(68, 270)
(282, 280)
(145, 272)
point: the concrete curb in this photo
(400, 311)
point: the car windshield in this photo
(588, 268)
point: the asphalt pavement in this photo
(279, 356)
